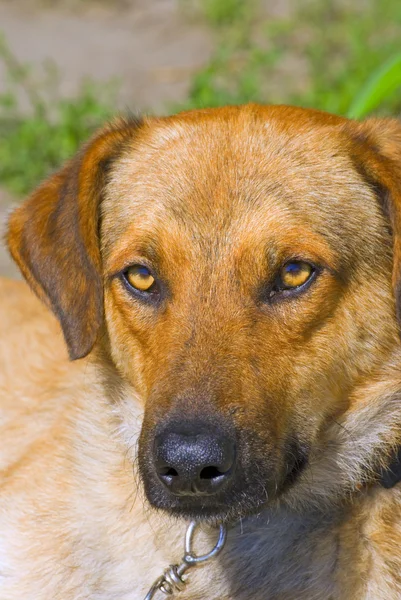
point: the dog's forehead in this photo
(217, 170)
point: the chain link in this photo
(172, 579)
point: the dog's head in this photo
(241, 266)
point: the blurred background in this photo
(66, 66)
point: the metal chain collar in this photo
(172, 579)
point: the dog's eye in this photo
(295, 274)
(294, 277)
(140, 278)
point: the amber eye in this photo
(294, 274)
(140, 278)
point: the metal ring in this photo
(191, 558)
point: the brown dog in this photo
(232, 277)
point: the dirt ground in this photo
(151, 47)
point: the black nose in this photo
(194, 463)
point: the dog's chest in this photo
(118, 554)
(263, 565)
(260, 562)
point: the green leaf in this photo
(382, 84)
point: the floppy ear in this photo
(376, 151)
(53, 237)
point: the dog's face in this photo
(246, 261)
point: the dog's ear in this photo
(376, 152)
(53, 237)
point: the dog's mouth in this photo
(295, 466)
(225, 508)
(252, 485)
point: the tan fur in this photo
(216, 201)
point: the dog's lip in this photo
(192, 504)
(211, 515)
(209, 510)
(295, 471)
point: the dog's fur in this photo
(215, 201)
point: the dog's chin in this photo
(225, 508)
(209, 509)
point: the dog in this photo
(213, 335)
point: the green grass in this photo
(320, 56)
(381, 85)
(36, 141)
(340, 57)
(223, 12)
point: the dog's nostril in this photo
(168, 472)
(210, 473)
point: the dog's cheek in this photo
(126, 351)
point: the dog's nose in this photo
(194, 464)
